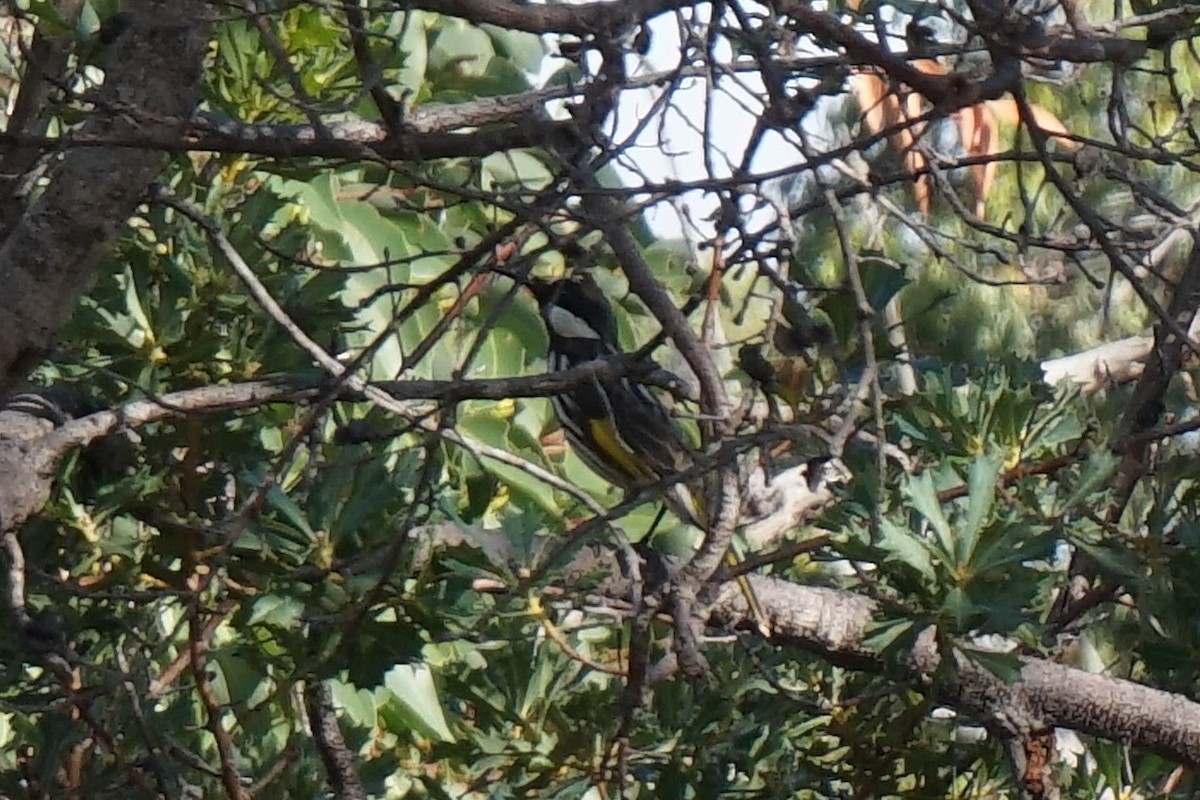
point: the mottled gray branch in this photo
(34, 442)
(834, 624)
(582, 19)
(340, 763)
(49, 257)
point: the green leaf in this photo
(1100, 467)
(985, 471)
(49, 18)
(1007, 543)
(237, 681)
(279, 500)
(359, 704)
(515, 168)
(1005, 666)
(908, 546)
(922, 496)
(567, 75)
(461, 46)
(962, 610)
(412, 690)
(524, 49)
(277, 611)
(1116, 561)
(88, 22)
(1110, 761)
(881, 281)
(133, 305)
(882, 636)
(413, 42)
(485, 426)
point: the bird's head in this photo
(574, 309)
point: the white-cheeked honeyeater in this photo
(616, 425)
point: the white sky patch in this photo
(671, 144)
(698, 115)
(672, 127)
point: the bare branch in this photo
(339, 761)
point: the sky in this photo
(672, 146)
(675, 150)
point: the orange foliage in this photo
(978, 128)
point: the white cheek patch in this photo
(569, 326)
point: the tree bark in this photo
(49, 257)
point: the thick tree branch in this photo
(1109, 364)
(488, 125)
(253, 394)
(431, 136)
(32, 445)
(49, 257)
(834, 625)
(340, 763)
(583, 19)
(45, 65)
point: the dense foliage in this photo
(326, 502)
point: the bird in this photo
(617, 426)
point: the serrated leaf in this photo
(1100, 467)
(922, 496)
(1116, 562)
(285, 505)
(1008, 543)
(959, 606)
(908, 546)
(981, 483)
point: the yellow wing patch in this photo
(608, 442)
